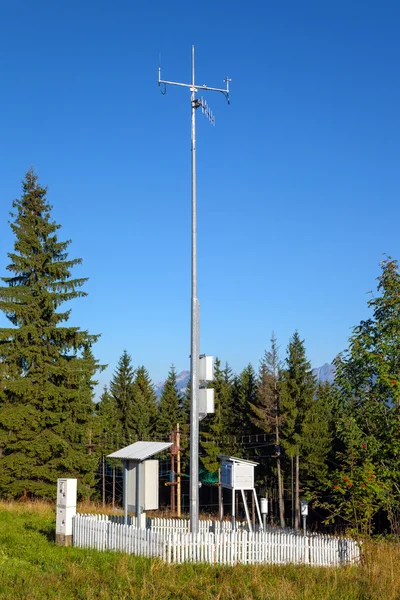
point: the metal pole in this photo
(233, 508)
(195, 340)
(292, 496)
(304, 525)
(113, 487)
(178, 467)
(195, 307)
(138, 507)
(104, 483)
(220, 501)
(125, 484)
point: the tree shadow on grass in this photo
(48, 531)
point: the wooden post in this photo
(90, 445)
(253, 511)
(104, 483)
(178, 466)
(173, 486)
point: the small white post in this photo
(66, 510)
(304, 512)
(264, 512)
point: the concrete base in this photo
(63, 540)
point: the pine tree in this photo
(170, 406)
(184, 425)
(297, 394)
(108, 427)
(317, 438)
(267, 412)
(47, 407)
(121, 388)
(144, 410)
(244, 394)
(185, 407)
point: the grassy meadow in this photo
(32, 567)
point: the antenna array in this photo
(206, 110)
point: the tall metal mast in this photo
(195, 306)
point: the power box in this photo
(66, 510)
(66, 492)
(206, 402)
(206, 368)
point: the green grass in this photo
(32, 567)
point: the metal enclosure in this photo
(237, 473)
(148, 492)
(206, 402)
(64, 519)
(206, 368)
(304, 508)
(140, 483)
(264, 506)
(66, 492)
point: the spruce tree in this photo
(184, 425)
(121, 388)
(244, 392)
(185, 407)
(317, 438)
(169, 409)
(267, 411)
(108, 427)
(297, 389)
(47, 396)
(144, 410)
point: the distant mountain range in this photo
(324, 373)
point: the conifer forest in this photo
(334, 444)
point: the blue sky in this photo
(298, 183)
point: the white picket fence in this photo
(166, 526)
(214, 547)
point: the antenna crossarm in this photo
(188, 85)
(195, 88)
(211, 89)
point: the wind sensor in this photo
(195, 306)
